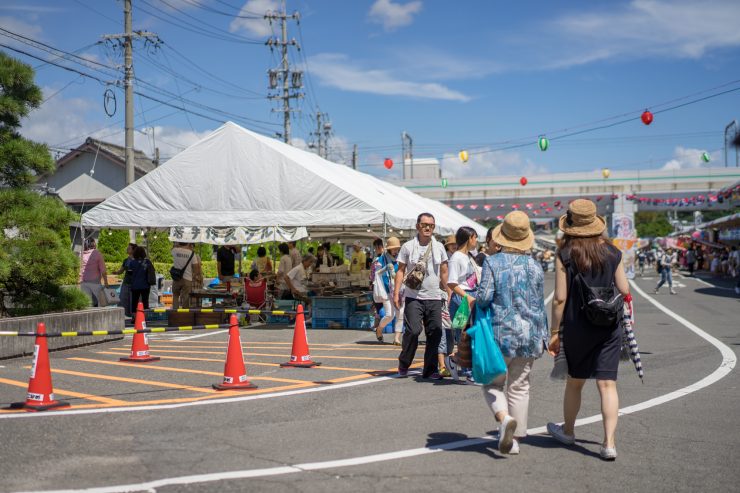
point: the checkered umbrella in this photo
(629, 340)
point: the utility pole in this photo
(733, 123)
(128, 81)
(354, 156)
(407, 152)
(318, 133)
(290, 79)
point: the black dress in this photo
(591, 351)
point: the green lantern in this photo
(444, 182)
(705, 157)
(543, 143)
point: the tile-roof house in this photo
(93, 172)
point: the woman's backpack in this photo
(603, 306)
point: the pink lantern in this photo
(487, 207)
(460, 206)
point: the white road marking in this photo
(728, 363)
(205, 334)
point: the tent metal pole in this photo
(385, 227)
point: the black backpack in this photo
(603, 306)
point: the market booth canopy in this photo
(235, 177)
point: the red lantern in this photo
(474, 206)
(487, 207)
(529, 205)
(647, 117)
(500, 218)
(556, 203)
(388, 163)
(523, 181)
(543, 204)
(515, 206)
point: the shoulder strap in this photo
(189, 259)
(425, 257)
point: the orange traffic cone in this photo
(140, 345)
(40, 396)
(299, 356)
(235, 374)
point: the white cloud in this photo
(60, 119)
(643, 28)
(336, 70)
(483, 162)
(689, 158)
(19, 27)
(394, 15)
(255, 8)
(169, 140)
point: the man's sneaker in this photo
(506, 435)
(655, 291)
(514, 447)
(433, 376)
(556, 431)
(403, 372)
(452, 367)
(673, 291)
(608, 453)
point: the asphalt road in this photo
(380, 433)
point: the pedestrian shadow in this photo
(547, 442)
(454, 442)
(444, 381)
(718, 291)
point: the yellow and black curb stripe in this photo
(220, 310)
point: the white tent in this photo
(236, 178)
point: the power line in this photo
(208, 8)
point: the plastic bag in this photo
(488, 361)
(461, 315)
(379, 292)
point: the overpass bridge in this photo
(547, 196)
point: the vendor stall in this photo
(233, 185)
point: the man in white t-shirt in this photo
(296, 278)
(181, 258)
(295, 255)
(423, 306)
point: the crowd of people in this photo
(428, 282)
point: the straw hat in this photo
(451, 240)
(581, 219)
(392, 242)
(514, 232)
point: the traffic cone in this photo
(140, 344)
(40, 396)
(235, 374)
(300, 356)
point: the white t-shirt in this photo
(180, 257)
(284, 267)
(410, 253)
(297, 277)
(295, 257)
(462, 272)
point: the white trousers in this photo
(510, 392)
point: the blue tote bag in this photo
(488, 361)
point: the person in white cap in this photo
(357, 263)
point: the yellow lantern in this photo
(463, 156)
(605, 172)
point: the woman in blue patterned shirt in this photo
(512, 285)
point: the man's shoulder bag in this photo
(603, 306)
(178, 273)
(418, 272)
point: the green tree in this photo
(652, 224)
(35, 249)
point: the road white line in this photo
(728, 363)
(205, 334)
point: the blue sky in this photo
(475, 75)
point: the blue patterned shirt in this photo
(513, 286)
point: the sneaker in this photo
(444, 372)
(673, 291)
(514, 447)
(655, 291)
(403, 372)
(608, 453)
(452, 368)
(380, 339)
(433, 376)
(506, 435)
(556, 431)
(471, 381)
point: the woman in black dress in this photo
(592, 352)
